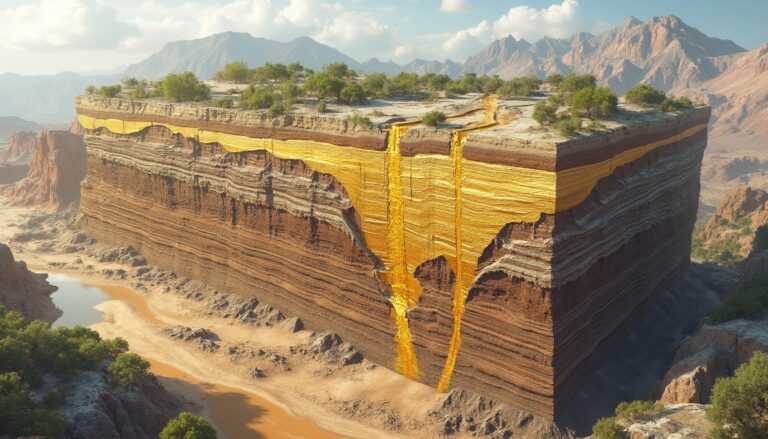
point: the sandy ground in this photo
(311, 400)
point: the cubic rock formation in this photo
(55, 171)
(484, 255)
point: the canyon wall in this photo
(15, 158)
(477, 257)
(23, 291)
(56, 168)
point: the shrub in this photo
(740, 403)
(110, 91)
(645, 95)
(140, 91)
(254, 98)
(491, 84)
(129, 369)
(568, 126)
(373, 84)
(455, 88)
(595, 102)
(223, 103)
(433, 118)
(573, 83)
(544, 113)
(237, 72)
(356, 119)
(638, 411)
(321, 107)
(524, 86)
(188, 426)
(555, 80)
(277, 109)
(606, 428)
(324, 85)
(760, 241)
(438, 82)
(90, 90)
(270, 72)
(130, 82)
(338, 70)
(353, 94)
(751, 302)
(184, 87)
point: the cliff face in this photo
(476, 258)
(14, 159)
(24, 291)
(55, 171)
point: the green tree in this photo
(324, 85)
(257, 98)
(595, 102)
(356, 119)
(433, 118)
(760, 242)
(110, 91)
(638, 411)
(188, 426)
(130, 82)
(128, 369)
(645, 95)
(237, 72)
(555, 80)
(438, 82)
(270, 72)
(91, 89)
(751, 302)
(568, 126)
(373, 84)
(184, 87)
(740, 403)
(295, 70)
(573, 83)
(607, 428)
(276, 109)
(338, 70)
(353, 93)
(544, 113)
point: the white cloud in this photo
(404, 51)
(558, 21)
(467, 41)
(356, 32)
(454, 6)
(63, 24)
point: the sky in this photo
(90, 36)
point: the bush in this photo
(140, 91)
(760, 241)
(555, 80)
(184, 87)
(524, 86)
(277, 109)
(129, 369)
(130, 82)
(544, 113)
(356, 119)
(223, 103)
(645, 95)
(740, 403)
(373, 84)
(237, 72)
(573, 83)
(90, 90)
(433, 118)
(595, 102)
(321, 107)
(607, 428)
(638, 411)
(110, 91)
(751, 302)
(254, 98)
(353, 94)
(674, 104)
(270, 72)
(568, 126)
(188, 426)
(324, 85)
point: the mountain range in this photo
(663, 52)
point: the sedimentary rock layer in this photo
(556, 259)
(23, 291)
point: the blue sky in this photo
(48, 36)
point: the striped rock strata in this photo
(484, 257)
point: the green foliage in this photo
(568, 126)
(184, 87)
(353, 93)
(188, 426)
(740, 403)
(257, 98)
(545, 113)
(594, 101)
(491, 84)
(296, 70)
(436, 82)
(751, 302)
(760, 242)
(523, 86)
(237, 72)
(223, 103)
(90, 90)
(276, 109)
(574, 83)
(270, 72)
(110, 91)
(373, 84)
(433, 118)
(356, 119)
(338, 70)
(324, 85)
(638, 411)
(140, 91)
(128, 369)
(724, 252)
(607, 428)
(555, 80)
(130, 82)
(675, 104)
(645, 95)
(321, 107)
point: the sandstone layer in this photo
(23, 291)
(478, 257)
(15, 158)
(56, 169)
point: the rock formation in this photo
(485, 257)
(741, 211)
(15, 158)
(55, 172)
(24, 291)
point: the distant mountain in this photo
(423, 66)
(386, 67)
(12, 124)
(205, 56)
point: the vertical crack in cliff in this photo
(402, 298)
(460, 290)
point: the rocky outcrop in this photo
(15, 158)
(24, 291)
(678, 421)
(560, 244)
(55, 171)
(741, 211)
(731, 169)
